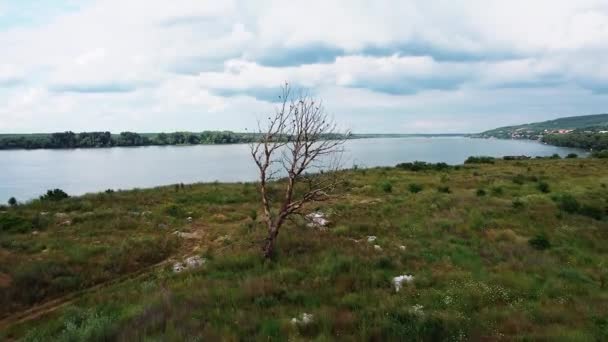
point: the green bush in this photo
(175, 211)
(600, 154)
(540, 242)
(543, 187)
(480, 192)
(387, 187)
(423, 166)
(12, 201)
(591, 211)
(13, 223)
(480, 160)
(414, 188)
(444, 189)
(54, 195)
(519, 179)
(517, 203)
(568, 203)
(497, 191)
(572, 156)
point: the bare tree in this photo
(303, 145)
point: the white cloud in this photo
(158, 65)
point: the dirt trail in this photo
(188, 246)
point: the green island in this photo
(511, 248)
(588, 132)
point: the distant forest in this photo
(106, 139)
(580, 139)
(124, 139)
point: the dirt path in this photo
(190, 244)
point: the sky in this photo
(445, 66)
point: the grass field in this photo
(508, 250)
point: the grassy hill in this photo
(533, 130)
(503, 250)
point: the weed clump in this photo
(591, 211)
(518, 203)
(444, 189)
(414, 188)
(568, 203)
(387, 187)
(543, 187)
(540, 242)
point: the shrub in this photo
(600, 154)
(497, 191)
(54, 195)
(590, 211)
(540, 242)
(387, 187)
(12, 201)
(480, 192)
(522, 157)
(519, 179)
(572, 156)
(14, 223)
(479, 160)
(543, 187)
(517, 203)
(444, 189)
(175, 211)
(568, 203)
(423, 166)
(555, 156)
(414, 188)
(253, 214)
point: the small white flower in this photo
(371, 238)
(417, 309)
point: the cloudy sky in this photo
(380, 66)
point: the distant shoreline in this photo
(96, 140)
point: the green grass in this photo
(492, 255)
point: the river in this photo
(26, 174)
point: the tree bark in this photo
(268, 248)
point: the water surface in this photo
(27, 174)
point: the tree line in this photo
(589, 141)
(106, 139)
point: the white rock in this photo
(305, 319)
(402, 247)
(398, 281)
(189, 219)
(371, 238)
(178, 267)
(317, 220)
(195, 261)
(377, 247)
